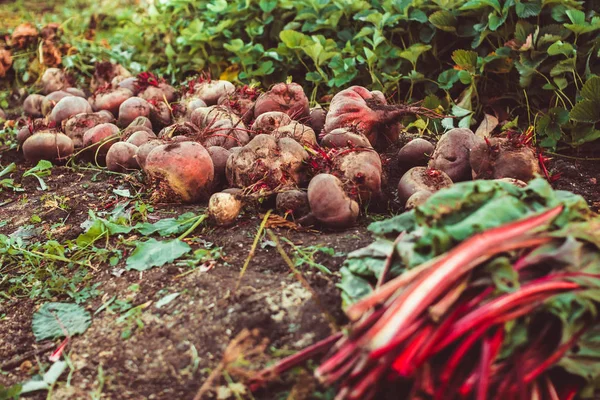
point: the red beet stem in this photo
(294, 360)
(404, 364)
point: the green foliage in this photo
(55, 320)
(524, 57)
(155, 253)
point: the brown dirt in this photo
(172, 350)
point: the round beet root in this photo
(285, 97)
(503, 158)
(179, 129)
(75, 92)
(129, 82)
(317, 119)
(189, 104)
(23, 134)
(110, 101)
(211, 91)
(47, 145)
(294, 202)
(270, 121)
(76, 126)
(272, 162)
(181, 172)
(105, 73)
(160, 114)
(417, 199)
(107, 134)
(419, 179)
(329, 204)
(220, 127)
(300, 133)
(50, 101)
(121, 157)
(145, 149)
(343, 137)
(68, 107)
(53, 80)
(224, 208)
(159, 93)
(140, 137)
(132, 108)
(361, 171)
(33, 105)
(141, 121)
(415, 153)
(452, 153)
(219, 156)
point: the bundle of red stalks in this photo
(444, 330)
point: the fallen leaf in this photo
(486, 127)
(23, 35)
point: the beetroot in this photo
(224, 208)
(160, 114)
(267, 163)
(132, 129)
(53, 80)
(285, 97)
(270, 121)
(76, 126)
(420, 179)
(107, 134)
(211, 91)
(125, 83)
(452, 153)
(75, 92)
(110, 101)
(52, 99)
(361, 172)
(161, 92)
(69, 106)
(121, 157)
(220, 127)
(141, 121)
(317, 119)
(105, 73)
(188, 105)
(23, 134)
(504, 158)
(140, 137)
(415, 153)
(294, 202)
(368, 113)
(142, 152)
(343, 137)
(241, 102)
(132, 108)
(47, 145)
(179, 129)
(300, 133)
(330, 204)
(219, 156)
(180, 171)
(33, 105)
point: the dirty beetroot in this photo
(237, 150)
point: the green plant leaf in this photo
(465, 59)
(586, 111)
(155, 253)
(559, 47)
(169, 226)
(293, 39)
(55, 320)
(267, 5)
(529, 9)
(443, 20)
(447, 79)
(591, 90)
(413, 53)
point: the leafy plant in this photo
(55, 320)
(41, 170)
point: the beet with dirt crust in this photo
(452, 153)
(179, 129)
(285, 97)
(68, 107)
(211, 91)
(330, 204)
(361, 171)
(53, 80)
(132, 108)
(121, 157)
(161, 92)
(32, 106)
(220, 127)
(219, 156)
(267, 160)
(105, 73)
(142, 152)
(52, 99)
(415, 153)
(504, 158)
(107, 134)
(317, 119)
(140, 137)
(47, 145)
(344, 137)
(76, 126)
(224, 208)
(294, 202)
(420, 179)
(269, 122)
(110, 101)
(300, 133)
(181, 172)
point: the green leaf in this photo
(443, 20)
(480, 4)
(447, 79)
(465, 59)
(591, 90)
(217, 6)
(166, 300)
(529, 9)
(293, 39)
(169, 226)
(267, 5)
(586, 111)
(154, 253)
(55, 320)
(50, 378)
(560, 47)
(413, 53)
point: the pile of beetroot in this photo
(323, 166)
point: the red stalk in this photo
(397, 341)
(289, 362)
(404, 364)
(489, 351)
(439, 277)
